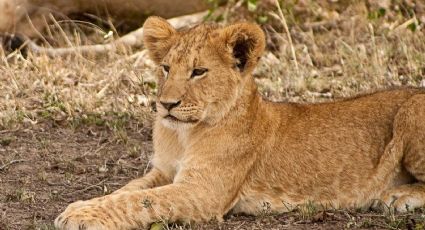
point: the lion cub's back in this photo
(321, 152)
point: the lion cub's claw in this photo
(82, 215)
(78, 222)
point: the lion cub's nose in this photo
(170, 105)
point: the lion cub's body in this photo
(333, 154)
(220, 147)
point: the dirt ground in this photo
(51, 167)
(45, 167)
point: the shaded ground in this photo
(45, 167)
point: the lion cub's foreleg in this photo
(129, 210)
(152, 179)
(191, 197)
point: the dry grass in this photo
(359, 53)
(355, 55)
(72, 88)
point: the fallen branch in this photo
(131, 39)
(87, 188)
(8, 131)
(10, 163)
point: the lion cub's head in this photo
(201, 70)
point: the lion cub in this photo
(220, 147)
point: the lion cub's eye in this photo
(198, 72)
(165, 70)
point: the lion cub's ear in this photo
(158, 37)
(245, 42)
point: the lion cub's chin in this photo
(176, 124)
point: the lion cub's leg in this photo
(414, 158)
(411, 124)
(404, 198)
(192, 198)
(152, 179)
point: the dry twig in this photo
(87, 188)
(282, 19)
(4, 166)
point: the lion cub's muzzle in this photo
(170, 105)
(175, 111)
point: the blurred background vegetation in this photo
(316, 51)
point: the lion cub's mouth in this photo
(175, 119)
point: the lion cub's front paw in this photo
(84, 215)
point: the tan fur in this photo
(227, 149)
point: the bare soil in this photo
(45, 167)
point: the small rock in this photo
(103, 169)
